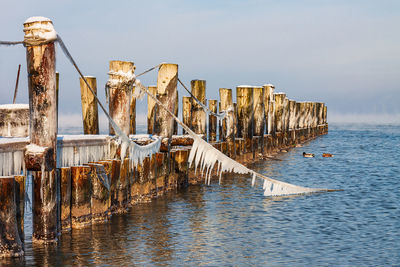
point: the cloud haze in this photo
(343, 53)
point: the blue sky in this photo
(344, 53)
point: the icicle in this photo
(253, 181)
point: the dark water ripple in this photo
(233, 224)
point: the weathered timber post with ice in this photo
(89, 106)
(81, 188)
(228, 123)
(176, 111)
(198, 114)
(20, 204)
(269, 107)
(245, 104)
(10, 242)
(286, 115)
(151, 109)
(14, 120)
(65, 198)
(292, 122)
(212, 121)
(186, 111)
(132, 115)
(40, 155)
(259, 116)
(119, 89)
(167, 93)
(279, 117)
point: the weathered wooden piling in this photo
(269, 106)
(41, 154)
(228, 123)
(65, 198)
(186, 111)
(212, 121)
(89, 106)
(176, 111)
(100, 195)
(10, 242)
(245, 104)
(151, 109)
(123, 187)
(259, 116)
(279, 111)
(167, 93)
(81, 195)
(132, 115)
(198, 114)
(20, 203)
(259, 111)
(119, 89)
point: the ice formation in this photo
(205, 157)
(41, 31)
(12, 163)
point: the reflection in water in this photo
(233, 224)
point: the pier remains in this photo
(79, 180)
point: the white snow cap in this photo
(36, 19)
(269, 84)
(39, 32)
(14, 106)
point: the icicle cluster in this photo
(138, 153)
(11, 163)
(138, 93)
(68, 156)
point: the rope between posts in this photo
(11, 42)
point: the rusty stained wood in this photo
(10, 242)
(186, 112)
(198, 89)
(151, 109)
(259, 111)
(212, 120)
(65, 198)
(167, 93)
(120, 95)
(81, 188)
(90, 114)
(279, 111)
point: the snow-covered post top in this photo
(119, 90)
(39, 30)
(167, 94)
(41, 58)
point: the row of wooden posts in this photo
(68, 197)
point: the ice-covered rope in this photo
(220, 115)
(205, 157)
(136, 153)
(11, 42)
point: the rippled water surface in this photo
(234, 224)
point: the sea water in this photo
(234, 224)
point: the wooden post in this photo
(298, 115)
(119, 89)
(81, 188)
(259, 111)
(100, 196)
(245, 104)
(40, 54)
(167, 93)
(132, 115)
(212, 120)
(325, 116)
(150, 109)
(292, 121)
(10, 242)
(176, 113)
(225, 96)
(287, 114)
(57, 90)
(186, 111)
(65, 191)
(89, 106)
(269, 106)
(279, 111)
(198, 114)
(20, 203)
